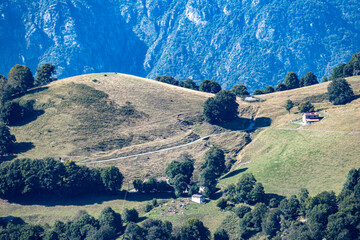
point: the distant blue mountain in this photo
(253, 42)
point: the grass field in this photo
(287, 160)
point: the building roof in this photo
(197, 196)
(312, 120)
(311, 114)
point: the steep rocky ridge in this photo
(252, 42)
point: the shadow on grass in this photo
(233, 173)
(36, 90)
(262, 122)
(21, 147)
(237, 124)
(29, 118)
(87, 199)
(269, 196)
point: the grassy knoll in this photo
(98, 115)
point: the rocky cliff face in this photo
(253, 42)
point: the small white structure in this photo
(310, 117)
(198, 198)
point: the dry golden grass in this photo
(56, 132)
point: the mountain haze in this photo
(253, 42)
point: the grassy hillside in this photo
(287, 156)
(101, 116)
(87, 118)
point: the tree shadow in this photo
(36, 90)
(262, 122)
(29, 118)
(237, 124)
(269, 196)
(21, 147)
(86, 199)
(233, 173)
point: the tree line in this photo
(323, 216)
(48, 177)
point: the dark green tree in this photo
(240, 90)
(134, 232)
(308, 79)
(110, 218)
(188, 83)
(157, 230)
(208, 181)
(342, 227)
(194, 229)
(222, 108)
(244, 186)
(340, 92)
(281, 87)
(7, 140)
(209, 86)
(112, 178)
(221, 203)
(290, 207)
(180, 184)
(167, 79)
(215, 160)
(352, 180)
(289, 105)
(44, 74)
(271, 225)
(131, 215)
(221, 234)
(241, 211)
(258, 92)
(325, 79)
(291, 80)
(306, 107)
(338, 72)
(257, 194)
(269, 89)
(20, 78)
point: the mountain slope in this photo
(252, 42)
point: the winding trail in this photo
(250, 128)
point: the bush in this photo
(222, 203)
(241, 211)
(340, 92)
(131, 215)
(306, 107)
(148, 208)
